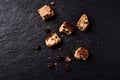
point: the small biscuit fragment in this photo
(52, 40)
(66, 28)
(52, 3)
(81, 53)
(68, 59)
(46, 12)
(83, 22)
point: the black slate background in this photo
(21, 28)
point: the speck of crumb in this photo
(68, 59)
(52, 3)
(49, 57)
(59, 48)
(56, 64)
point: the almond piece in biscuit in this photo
(66, 28)
(52, 40)
(83, 22)
(81, 53)
(46, 12)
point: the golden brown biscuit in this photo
(81, 53)
(46, 12)
(83, 22)
(66, 28)
(52, 40)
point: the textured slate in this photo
(21, 28)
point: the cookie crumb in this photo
(50, 65)
(68, 59)
(49, 57)
(59, 48)
(56, 64)
(52, 3)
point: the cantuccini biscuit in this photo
(81, 53)
(46, 12)
(66, 28)
(52, 40)
(83, 22)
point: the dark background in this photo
(21, 28)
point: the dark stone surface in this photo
(21, 28)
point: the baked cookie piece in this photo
(81, 53)
(46, 12)
(52, 40)
(83, 22)
(66, 28)
(68, 59)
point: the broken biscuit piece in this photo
(83, 22)
(52, 40)
(66, 28)
(46, 12)
(68, 59)
(81, 53)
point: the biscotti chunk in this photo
(68, 59)
(83, 22)
(66, 28)
(81, 53)
(52, 40)
(46, 12)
